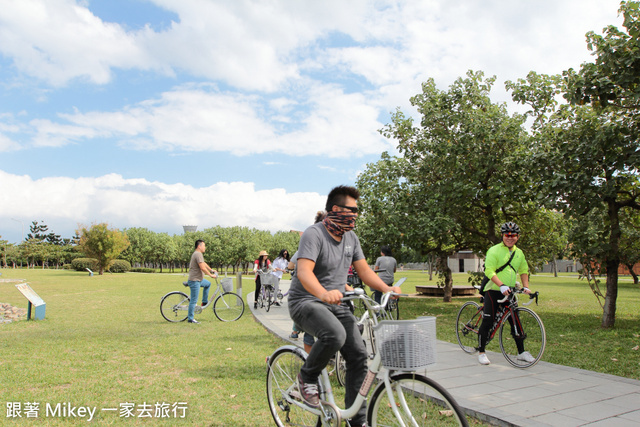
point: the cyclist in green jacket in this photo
(501, 283)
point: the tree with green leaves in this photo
(463, 171)
(630, 241)
(588, 150)
(102, 243)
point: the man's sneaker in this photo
(309, 393)
(525, 356)
(483, 359)
(294, 335)
(193, 321)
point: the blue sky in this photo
(160, 113)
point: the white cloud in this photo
(59, 40)
(62, 203)
(197, 118)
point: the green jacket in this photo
(497, 256)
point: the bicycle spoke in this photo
(467, 326)
(417, 401)
(174, 306)
(529, 334)
(284, 366)
(228, 307)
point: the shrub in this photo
(81, 264)
(120, 266)
(142, 270)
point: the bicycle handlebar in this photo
(520, 291)
(358, 293)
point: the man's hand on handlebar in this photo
(395, 289)
(332, 297)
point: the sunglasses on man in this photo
(351, 208)
(510, 235)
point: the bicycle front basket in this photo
(227, 284)
(407, 345)
(269, 279)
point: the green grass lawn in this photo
(571, 315)
(104, 344)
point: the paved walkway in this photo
(544, 395)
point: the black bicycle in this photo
(525, 325)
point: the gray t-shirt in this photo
(332, 260)
(195, 273)
(387, 263)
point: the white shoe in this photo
(483, 359)
(525, 356)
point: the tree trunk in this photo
(633, 273)
(612, 263)
(554, 264)
(447, 276)
(448, 283)
(609, 312)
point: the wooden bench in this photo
(435, 291)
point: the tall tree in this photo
(102, 243)
(462, 171)
(589, 149)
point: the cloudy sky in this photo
(160, 113)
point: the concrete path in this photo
(544, 395)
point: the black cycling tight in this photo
(491, 307)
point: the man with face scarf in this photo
(326, 251)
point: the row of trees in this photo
(235, 247)
(567, 171)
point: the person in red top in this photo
(263, 264)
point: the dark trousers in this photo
(335, 329)
(490, 309)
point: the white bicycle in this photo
(401, 398)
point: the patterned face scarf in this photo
(338, 223)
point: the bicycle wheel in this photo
(269, 298)
(282, 372)
(174, 306)
(420, 401)
(393, 309)
(467, 326)
(261, 298)
(341, 369)
(528, 326)
(228, 307)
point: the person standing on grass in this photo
(510, 259)
(326, 251)
(197, 269)
(387, 263)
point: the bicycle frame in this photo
(328, 403)
(502, 314)
(219, 290)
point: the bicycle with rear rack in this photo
(227, 307)
(525, 326)
(401, 397)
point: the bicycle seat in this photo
(185, 283)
